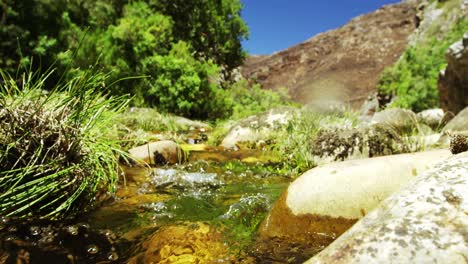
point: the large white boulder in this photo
(325, 201)
(425, 222)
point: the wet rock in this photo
(257, 128)
(248, 209)
(397, 118)
(425, 222)
(158, 153)
(191, 243)
(453, 81)
(431, 117)
(325, 201)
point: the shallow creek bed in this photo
(205, 211)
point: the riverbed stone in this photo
(459, 123)
(157, 153)
(424, 222)
(431, 117)
(257, 128)
(397, 118)
(326, 201)
(457, 126)
(191, 243)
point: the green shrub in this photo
(56, 155)
(247, 100)
(182, 85)
(413, 80)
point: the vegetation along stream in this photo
(203, 210)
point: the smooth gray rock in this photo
(431, 117)
(399, 119)
(459, 123)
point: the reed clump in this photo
(57, 155)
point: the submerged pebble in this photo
(92, 249)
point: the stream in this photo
(207, 210)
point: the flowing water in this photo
(205, 211)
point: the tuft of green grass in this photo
(57, 155)
(295, 143)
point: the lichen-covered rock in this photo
(397, 118)
(459, 144)
(192, 243)
(258, 127)
(325, 201)
(453, 81)
(425, 222)
(362, 142)
(157, 153)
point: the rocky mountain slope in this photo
(341, 65)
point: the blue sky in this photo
(278, 24)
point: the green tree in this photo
(183, 44)
(214, 28)
(183, 85)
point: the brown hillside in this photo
(341, 65)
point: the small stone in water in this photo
(112, 256)
(4, 220)
(92, 249)
(111, 236)
(10, 238)
(35, 230)
(73, 230)
(84, 225)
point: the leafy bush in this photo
(413, 80)
(179, 48)
(183, 85)
(56, 157)
(246, 100)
